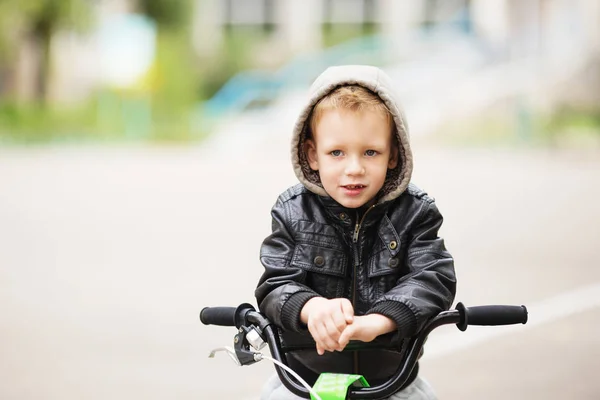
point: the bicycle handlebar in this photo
(245, 315)
(491, 315)
(223, 316)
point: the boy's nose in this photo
(354, 167)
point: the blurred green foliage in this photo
(160, 108)
(516, 126)
(168, 14)
(38, 17)
(110, 116)
(37, 21)
(32, 123)
(334, 34)
(163, 106)
(570, 126)
(235, 55)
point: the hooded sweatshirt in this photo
(378, 82)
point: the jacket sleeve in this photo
(281, 292)
(430, 286)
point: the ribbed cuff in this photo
(406, 322)
(290, 312)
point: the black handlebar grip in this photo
(223, 316)
(491, 315)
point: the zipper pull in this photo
(355, 236)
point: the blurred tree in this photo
(174, 78)
(175, 73)
(32, 24)
(168, 14)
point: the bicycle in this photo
(255, 331)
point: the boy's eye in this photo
(336, 153)
(370, 153)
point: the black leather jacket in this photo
(387, 259)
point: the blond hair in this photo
(353, 98)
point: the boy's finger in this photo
(348, 310)
(338, 322)
(330, 344)
(317, 336)
(318, 331)
(325, 340)
(320, 350)
(345, 337)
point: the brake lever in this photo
(230, 352)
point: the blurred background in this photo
(143, 143)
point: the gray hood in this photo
(379, 83)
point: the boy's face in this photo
(352, 152)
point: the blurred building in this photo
(511, 28)
(521, 25)
(301, 26)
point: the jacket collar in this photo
(349, 217)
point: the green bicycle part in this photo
(335, 386)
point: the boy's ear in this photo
(311, 154)
(393, 158)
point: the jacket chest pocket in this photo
(385, 267)
(325, 268)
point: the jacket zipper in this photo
(358, 224)
(356, 262)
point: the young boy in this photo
(354, 252)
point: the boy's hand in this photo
(366, 328)
(326, 320)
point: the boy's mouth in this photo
(353, 187)
(353, 190)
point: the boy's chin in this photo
(351, 203)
